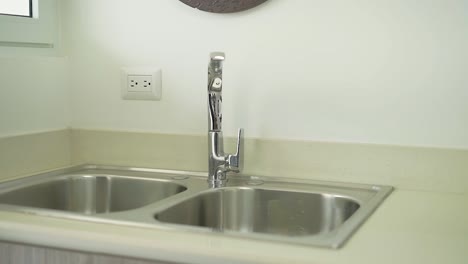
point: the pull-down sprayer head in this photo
(216, 62)
(215, 87)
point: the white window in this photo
(16, 8)
(30, 22)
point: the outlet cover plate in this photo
(141, 83)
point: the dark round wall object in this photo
(223, 6)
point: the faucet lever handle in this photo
(235, 161)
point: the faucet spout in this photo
(218, 162)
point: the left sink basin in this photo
(90, 194)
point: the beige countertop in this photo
(409, 227)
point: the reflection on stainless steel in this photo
(91, 194)
(277, 209)
(218, 162)
(264, 211)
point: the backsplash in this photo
(427, 169)
(31, 153)
(410, 168)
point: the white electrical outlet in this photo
(141, 84)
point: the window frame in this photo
(38, 30)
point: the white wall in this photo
(33, 94)
(391, 72)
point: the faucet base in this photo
(217, 183)
(219, 179)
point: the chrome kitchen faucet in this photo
(219, 163)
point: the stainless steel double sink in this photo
(266, 208)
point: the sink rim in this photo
(196, 184)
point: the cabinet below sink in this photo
(284, 210)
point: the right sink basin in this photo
(322, 214)
(276, 212)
